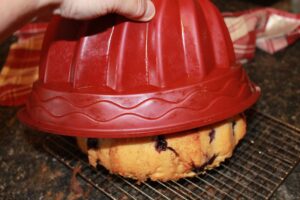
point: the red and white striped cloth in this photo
(21, 67)
(267, 29)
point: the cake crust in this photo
(167, 157)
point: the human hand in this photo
(140, 10)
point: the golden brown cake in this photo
(167, 157)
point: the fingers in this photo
(140, 10)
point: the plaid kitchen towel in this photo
(21, 67)
(267, 29)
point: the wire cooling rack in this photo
(259, 165)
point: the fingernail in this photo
(150, 12)
(57, 11)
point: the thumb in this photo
(141, 10)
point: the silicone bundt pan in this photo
(111, 77)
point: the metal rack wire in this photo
(259, 165)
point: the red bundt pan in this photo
(116, 78)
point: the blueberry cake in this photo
(167, 157)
